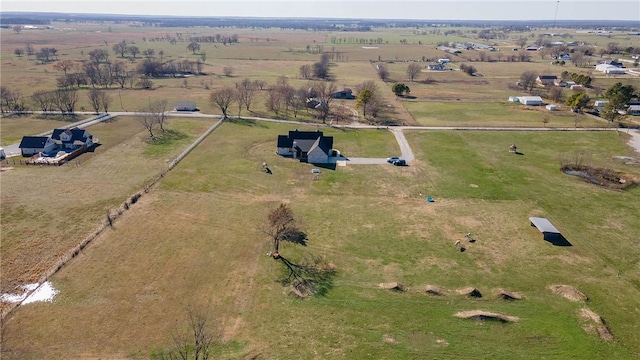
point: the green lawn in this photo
(194, 241)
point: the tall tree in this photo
(400, 89)
(306, 71)
(363, 99)
(193, 47)
(120, 48)
(158, 111)
(413, 70)
(383, 73)
(64, 65)
(222, 99)
(528, 80)
(133, 50)
(246, 92)
(324, 94)
(94, 99)
(578, 101)
(618, 96)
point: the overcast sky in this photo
(359, 9)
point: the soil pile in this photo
(509, 295)
(435, 290)
(595, 324)
(392, 286)
(569, 292)
(485, 315)
(470, 292)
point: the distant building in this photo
(437, 67)
(344, 93)
(546, 80)
(634, 110)
(185, 106)
(530, 100)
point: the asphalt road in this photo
(398, 132)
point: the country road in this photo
(398, 131)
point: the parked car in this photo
(400, 162)
(392, 159)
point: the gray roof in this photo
(544, 225)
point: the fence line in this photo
(108, 222)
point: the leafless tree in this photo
(148, 122)
(383, 73)
(30, 50)
(105, 101)
(194, 343)
(556, 94)
(246, 92)
(281, 225)
(222, 99)
(43, 100)
(259, 84)
(227, 70)
(94, 99)
(306, 71)
(324, 94)
(120, 48)
(193, 47)
(64, 65)
(521, 41)
(18, 52)
(148, 53)
(17, 29)
(528, 80)
(413, 70)
(158, 111)
(299, 100)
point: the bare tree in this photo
(413, 70)
(64, 65)
(222, 99)
(227, 70)
(193, 47)
(120, 48)
(43, 100)
(259, 84)
(94, 99)
(148, 122)
(383, 73)
(105, 101)
(158, 111)
(521, 41)
(306, 71)
(65, 100)
(324, 94)
(556, 94)
(193, 343)
(281, 225)
(18, 52)
(133, 50)
(246, 92)
(528, 80)
(148, 53)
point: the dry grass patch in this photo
(595, 324)
(435, 290)
(569, 292)
(482, 315)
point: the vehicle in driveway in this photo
(390, 160)
(400, 162)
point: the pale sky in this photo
(358, 9)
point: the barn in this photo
(530, 100)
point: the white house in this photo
(600, 103)
(530, 100)
(31, 145)
(71, 139)
(634, 110)
(514, 99)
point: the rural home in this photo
(634, 110)
(71, 139)
(436, 67)
(307, 146)
(546, 80)
(610, 69)
(185, 106)
(31, 145)
(530, 100)
(611, 62)
(344, 93)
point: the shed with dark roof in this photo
(31, 145)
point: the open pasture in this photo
(194, 242)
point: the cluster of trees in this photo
(581, 79)
(217, 38)
(11, 101)
(122, 49)
(154, 115)
(618, 96)
(468, 69)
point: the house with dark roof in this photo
(546, 80)
(307, 146)
(71, 139)
(31, 145)
(344, 93)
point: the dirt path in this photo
(634, 141)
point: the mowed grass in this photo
(13, 128)
(193, 242)
(494, 114)
(46, 211)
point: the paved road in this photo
(398, 131)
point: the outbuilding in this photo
(550, 233)
(551, 107)
(185, 106)
(531, 100)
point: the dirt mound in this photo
(569, 292)
(604, 177)
(435, 290)
(392, 286)
(509, 295)
(485, 315)
(470, 291)
(596, 324)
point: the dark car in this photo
(400, 162)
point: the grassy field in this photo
(193, 242)
(15, 127)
